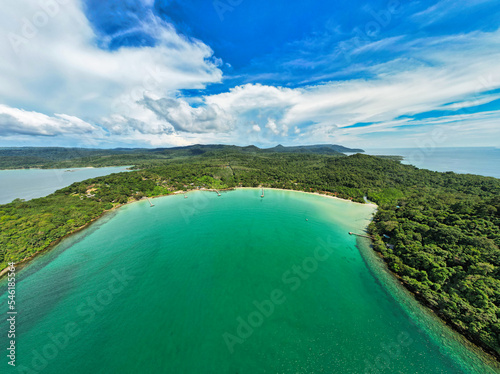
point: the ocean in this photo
(482, 161)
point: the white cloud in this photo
(271, 125)
(133, 93)
(446, 8)
(20, 122)
(284, 130)
(403, 87)
(122, 125)
(184, 117)
(56, 67)
(480, 100)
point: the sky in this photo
(145, 73)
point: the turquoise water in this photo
(32, 183)
(482, 160)
(229, 284)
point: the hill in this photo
(58, 157)
(323, 149)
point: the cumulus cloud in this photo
(51, 62)
(271, 125)
(184, 117)
(20, 122)
(122, 125)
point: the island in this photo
(439, 233)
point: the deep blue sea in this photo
(482, 161)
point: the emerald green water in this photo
(165, 290)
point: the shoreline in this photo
(493, 355)
(309, 193)
(68, 168)
(395, 286)
(27, 260)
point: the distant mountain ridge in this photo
(49, 157)
(317, 148)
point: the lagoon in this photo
(229, 284)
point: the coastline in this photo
(128, 167)
(419, 298)
(27, 260)
(309, 193)
(415, 305)
(495, 356)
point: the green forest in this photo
(60, 158)
(438, 232)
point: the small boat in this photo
(185, 196)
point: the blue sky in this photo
(151, 73)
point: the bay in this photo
(227, 284)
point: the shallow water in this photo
(229, 284)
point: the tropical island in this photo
(439, 233)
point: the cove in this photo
(226, 284)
